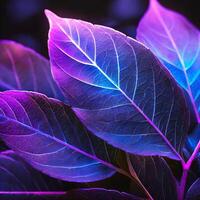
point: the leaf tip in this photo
(153, 2)
(50, 16)
(48, 13)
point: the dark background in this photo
(24, 20)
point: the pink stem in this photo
(181, 187)
(192, 157)
(186, 166)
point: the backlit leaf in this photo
(117, 87)
(49, 136)
(177, 44)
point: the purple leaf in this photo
(49, 136)
(118, 88)
(17, 176)
(177, 44)
(24, 69)
(155, 175)
(194, 193)
(99, 194)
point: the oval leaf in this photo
(49, 136)
(24, 69)
(177, 44)
(118, 88)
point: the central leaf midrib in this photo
(124, 94)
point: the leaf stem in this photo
(186, 167)
(181, 187)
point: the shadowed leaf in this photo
(24, 69)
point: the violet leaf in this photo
(99, 194)
(49, 136)
(194, 193)
(118, 88)
(24, 69)
(177, 44)
(155, 175)
(16, 175)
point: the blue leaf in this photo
(118, 88)
(193, 138)
(177, 44)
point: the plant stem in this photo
(192, 157)
(181, 187)
(186, 167)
